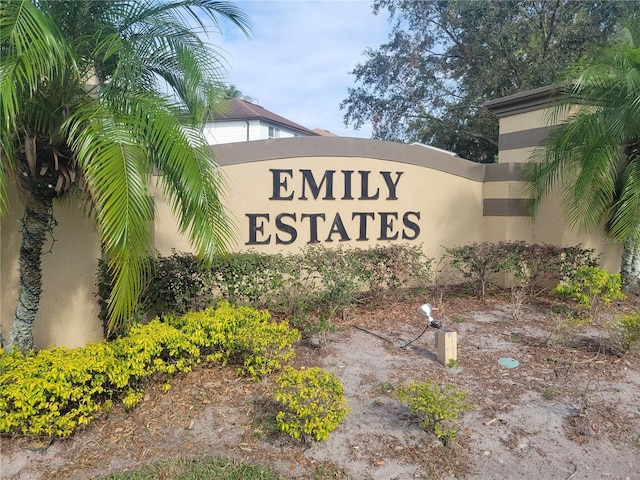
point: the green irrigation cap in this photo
(509, 362)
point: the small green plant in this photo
(323, 326)
(384, 388)
(323, 472)
(453, 363)
(592, 287)
(458, 319)
(626, 332)
(312, 400)
(549, 392)
(438, 405)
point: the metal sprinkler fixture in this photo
(446, 340)
(426, 310)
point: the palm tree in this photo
(94, 96)
(594, 156)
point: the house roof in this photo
(324, 133)
(239, 109)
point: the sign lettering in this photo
(329, 186)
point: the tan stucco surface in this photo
(515, 155)
(68, 314)
(524, 121)
(550, 224)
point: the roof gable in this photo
(239, 109)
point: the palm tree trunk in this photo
(630, 268)
(36, 224)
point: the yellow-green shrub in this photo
(591, 287)
(435, 404)
(313, 402)
(156, 347)
(240, 335)
(55, 391)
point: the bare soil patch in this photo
(568, 411)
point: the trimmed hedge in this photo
(318, 279)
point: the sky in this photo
(298, 61)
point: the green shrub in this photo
(388, 267)
(318, 279)
(53, 392)
(575, 257)
(156, 347)
(313, 402)
(249, 278)
(296, 297)
(592, 287)
(339, 278)
(531, 266)
(534, 267)
(181, 283)
(435, 404)
(478, 262)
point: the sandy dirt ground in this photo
(570, 410)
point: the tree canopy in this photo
(446, 58)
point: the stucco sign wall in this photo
(286, 194)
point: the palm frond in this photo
(188, 12)
(161, 54)
(112, 152)
(33, 51)
(192, 183)
(625, 222)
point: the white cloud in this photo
(298, 61)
